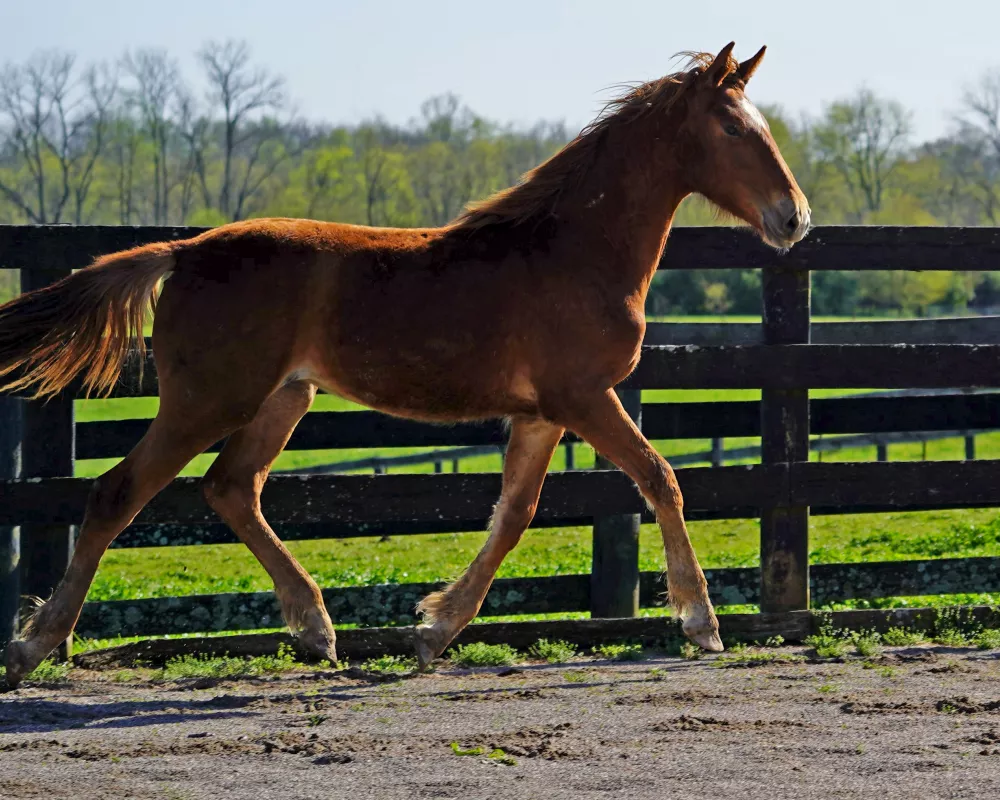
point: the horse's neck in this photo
(621, 211)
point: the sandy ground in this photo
(925, 723)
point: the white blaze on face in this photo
(752, 114)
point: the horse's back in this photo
(390, 317)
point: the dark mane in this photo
(538, 190)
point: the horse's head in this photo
(730, 156)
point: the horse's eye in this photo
(731, 130)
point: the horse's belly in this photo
(431, 383)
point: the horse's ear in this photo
(749, 67)
(718, 70)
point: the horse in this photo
(529, 306)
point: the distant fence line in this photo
(717, 456)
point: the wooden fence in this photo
(784, 356)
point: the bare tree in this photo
(981, 108)
(978, 144)
(123, 147)
(91, 136)
(195, 132)
(445, 119)
(154, 95)
(251, 143)
(971, 169)
(56, 128)
(864, 138)
(374, 159)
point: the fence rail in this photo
(394, 603)
(717, 455)
(784, 356)
(315, 499)
(47, 248)
(332, 430)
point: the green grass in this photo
(390, 665)
(690, 651)
(498, 756)
(458, 750)
(828, 645)
(901, 637)
(740, 655)
(165, 571)
(619, 652)
(478, 654)
(868, 645)
(553, 651)
(955, 628)
(951, 638)
(951, 628)
(46, 672)
(195, 666)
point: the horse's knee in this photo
(227, 494)
(660, 486)
(510, 519)
(520, 513)
(109, 499)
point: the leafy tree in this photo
(863, 138)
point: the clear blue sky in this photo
(521, 60)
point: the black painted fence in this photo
(784, 356)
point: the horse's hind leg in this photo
(532, 443)
(172, 440)
(233, 486)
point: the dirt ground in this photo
(920, 722)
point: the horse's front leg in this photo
(603, 423)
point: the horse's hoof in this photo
(426, 641)
(320, 643)
(703, 630)
(707, 640)
(17, 663)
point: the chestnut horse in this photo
(529, 307)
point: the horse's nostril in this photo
(792, 224)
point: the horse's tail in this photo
(86, 323)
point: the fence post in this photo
(10, 537)
(881, 451)
(48, 451)
(970, 447)
(718, 453)
(614, 573)
(784, 531)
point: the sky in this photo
(520, 60)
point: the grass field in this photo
(154, 572)
(157, 572)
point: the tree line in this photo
(131, 142)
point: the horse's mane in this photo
(536, 193)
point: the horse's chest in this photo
(599, 347)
